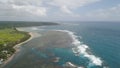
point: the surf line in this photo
(82, 49)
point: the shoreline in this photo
(52, 36)
(81, 48)
(17, 48)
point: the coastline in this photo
(17, 47)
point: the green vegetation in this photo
(8, 38)
(24, 24)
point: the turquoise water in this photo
(100, 40)
(67, 55)
(103, 39)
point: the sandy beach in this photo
(35, 50)
(17, 46)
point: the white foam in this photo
(81, 48)
(80, 67)
(34, 28)
(94, 59)
(70, 64)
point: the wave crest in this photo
(80, 48)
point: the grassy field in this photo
(8, 38)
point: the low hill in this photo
(24, 24)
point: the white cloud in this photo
(39, 11)
(22, 7)
(63, 9)
(68, 5)
(39, 8)
(113, 12)
(66, 10)
(22, 2)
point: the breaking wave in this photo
(36, 28)
(82, 49)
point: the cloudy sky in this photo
(50, 10)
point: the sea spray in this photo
(82, 49)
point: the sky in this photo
(59, 10)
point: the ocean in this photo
(94, 45)
(102, 38)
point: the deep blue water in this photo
(103, 39)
